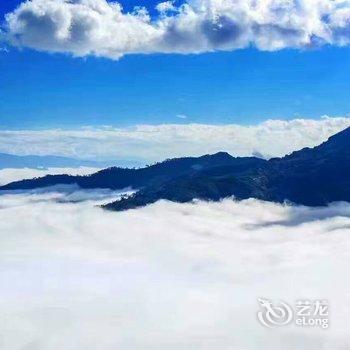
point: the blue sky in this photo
(246, 86)
(50, 90)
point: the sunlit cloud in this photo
(102, 28)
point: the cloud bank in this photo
(171, 276)
(101, 28)
(149, 143)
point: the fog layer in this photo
(8, 175)
(168, 276)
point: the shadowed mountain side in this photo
(213, 185)
(312, 177)
(154, 175)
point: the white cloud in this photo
(174, 276)
(156, 142)
(166, 6)
(101, 28)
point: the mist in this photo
(174, 276)
(8, 175)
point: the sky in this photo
(89, 63)
(43, 90)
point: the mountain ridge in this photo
(119, 178)
(311, 176)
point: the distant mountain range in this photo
(311, 176)
(119, 178)
(37, 162)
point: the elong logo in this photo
(306, 313)
(274, 315)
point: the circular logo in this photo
(274, 315)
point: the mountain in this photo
(315, 176)
(152, 176)
(36, 162)
(311, 176)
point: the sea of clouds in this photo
(168, 276)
